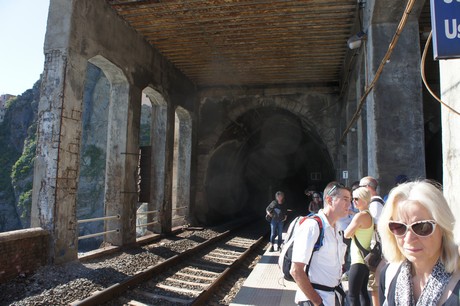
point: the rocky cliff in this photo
(17, 153)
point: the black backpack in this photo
(285, 258)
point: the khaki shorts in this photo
(372, 284)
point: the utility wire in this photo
(402, 23)
(422, 71)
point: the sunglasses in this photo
(420, 228)
(338, 185)
(355, 199)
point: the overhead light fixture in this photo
(355, 41)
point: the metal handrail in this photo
(146, 224)
(98, 234)
(178, 208)
(98, 219)
(148, 212)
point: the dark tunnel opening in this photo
(263, 151)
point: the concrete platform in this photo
(266, 286)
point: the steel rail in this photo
(206, 294)
(111, 292)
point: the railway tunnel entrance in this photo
(263, 151)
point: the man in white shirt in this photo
(325, 264)
(376, 205)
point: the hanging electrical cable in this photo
(392, 45)
(422, 72)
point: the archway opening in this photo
(263, 151)
(102, 158)
(152, 141)
(93, 156)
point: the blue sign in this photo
(445, 23)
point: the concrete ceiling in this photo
(247, 42)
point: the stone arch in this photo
(264, 150)
(296, 107)
(158, 126)
(323, 133)
(111, 86)
(181, 167)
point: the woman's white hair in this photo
(362, 193)
(429, 195)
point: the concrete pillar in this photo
(450, 91)
(181, 167)
(395, 133)
(54, 187)
(360, 126)
(166, 206)
(117, 192)
(352, 136)
(158, 165)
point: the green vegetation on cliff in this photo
(22, 176)
(18, 143)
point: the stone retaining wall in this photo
(22, 252)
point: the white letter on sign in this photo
(455, 30)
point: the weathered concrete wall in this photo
(450, 93)
(389, 11)
(77, 32)
(395, 106)
(351, 148)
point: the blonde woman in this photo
(361, 229)
(416, 229)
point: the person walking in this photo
(360, 230)
(315, 205)
(319, 284)
(278, 213)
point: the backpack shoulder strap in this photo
(319, 241)
(379, 199)
(292, 227)
(363, 251)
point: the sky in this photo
(22, 35)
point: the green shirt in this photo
(364, 236)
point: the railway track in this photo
(188, 278)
